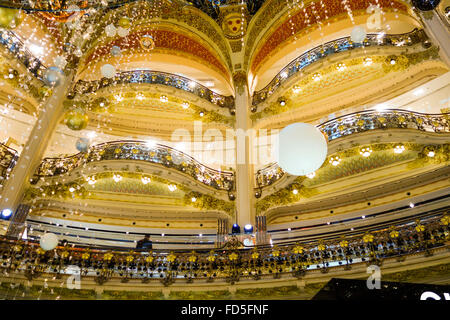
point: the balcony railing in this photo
(330, 48)
(365, 121)
(230, 263)
(140, 151)
(16, 47)
(156, 77)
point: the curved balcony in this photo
(140, 151)
(16, 47)
(8, 158)
(361, 122)
(156, 77)
(333, 47)
(231, 263)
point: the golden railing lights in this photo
(146, 180)
(311, 175)
(399, 149)
(366, 152)
(172, 187)
(296, 89)
(445, 220)
(117, 177)
(335, 160)
(368, 61)
(341, 67)
(164, 99)
(368, 237)
(316, 77)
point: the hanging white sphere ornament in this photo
(302, 149)
(358, 34)
(110, 30)
(115, 51)
(49, 241)
(82, 144)
(108, 71)
(122, 32)
(53, 76)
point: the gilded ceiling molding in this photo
(164, 40)
(335, 9)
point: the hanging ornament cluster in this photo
(76, 119)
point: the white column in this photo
(438, 32)
(34, 149)
(244, 165)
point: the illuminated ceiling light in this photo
(150, 144)
(185, 105)
(36, 50)
(172, 187)
(282, 102)
(91, 180)
(91, 134)
(363, 217)
(71, 189)
(419, 92)
(335, 160)
(163, 99)
(367, 61)
(192, 84)
(311, 175)
(431, 154)
(200, 235)
(145, 180)
(316, 77)
(6, 213)
(201, 113)
(117, 178)
(193, 199)
(295, 191)
(399, 149)
(284, 74)
(393, 61)
(118, 97)
(140, 96)
(365, 152)
(411, 205)
(341, 67)
(297, 89)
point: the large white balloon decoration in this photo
(49, 241)
(358, 34)
(302, 149)
(108, 71)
